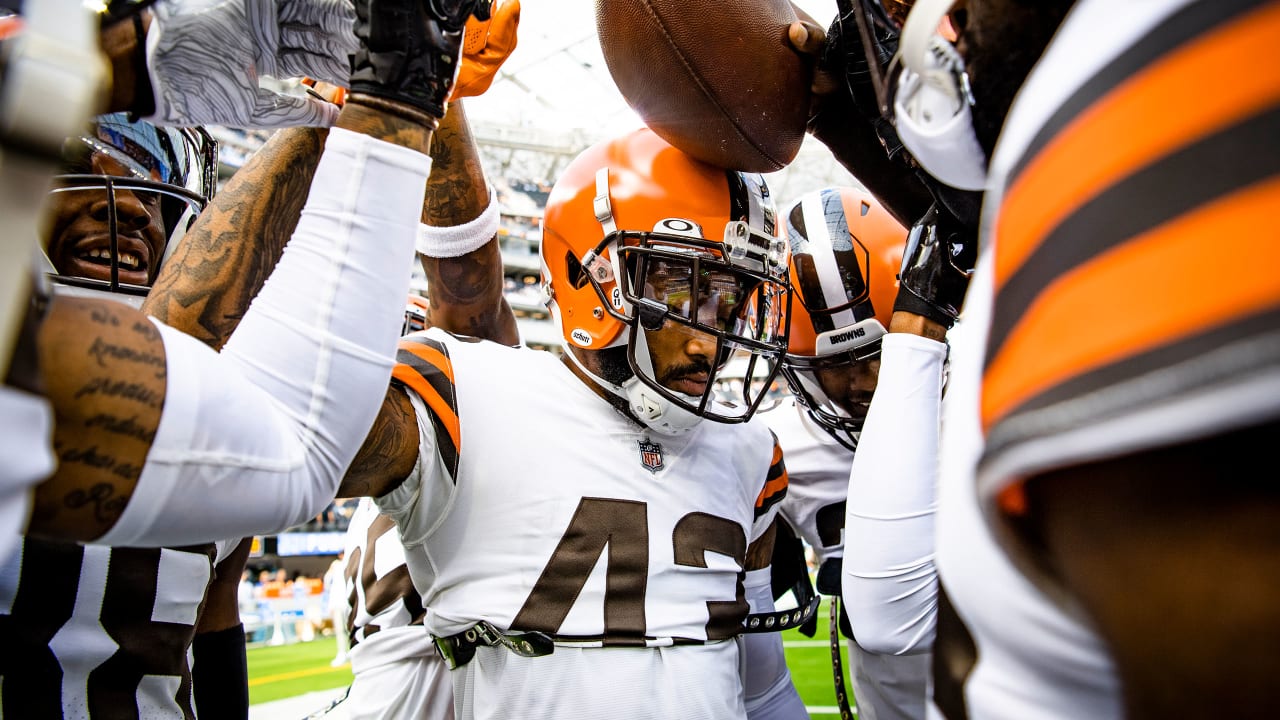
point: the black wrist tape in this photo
(220, 674)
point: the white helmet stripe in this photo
(749, 200)
(825, 222)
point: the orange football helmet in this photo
(845, 254)
(629, 208)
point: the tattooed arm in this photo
(284, 405)
(104, 374)
(205, 288)
(465, 292)
(389, 452)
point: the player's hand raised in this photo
(936, 266)
(487, 45)
(409, 53)
(205, 58)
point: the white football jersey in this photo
(99, 632)
(535, 505)
(398, 673)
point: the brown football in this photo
(719, 80)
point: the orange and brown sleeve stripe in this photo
(423, 366)
(775, 485)
(1157, 245)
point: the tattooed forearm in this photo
(102, 315)
(475, 277)
(456, 189)
(465, 292)
(105, 374)
(222, 264)
(103, 349)
(102, 499)
(226, 257)
(100, 460)
(383, 126)
(113, 346)
(128, 426)
(123, 389)
(905, 322)
(389, 452)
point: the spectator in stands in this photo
(336, 605)
(326, 519)
(344, 508)
(247, 595)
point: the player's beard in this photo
(613, 365)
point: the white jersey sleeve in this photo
(423, 371)
(887, 687)
(774, 487)
(890, 584)
(256, 439)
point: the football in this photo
(718, 80)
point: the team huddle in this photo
(1016, 507)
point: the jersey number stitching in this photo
(622, 527)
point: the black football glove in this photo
(410, 49)
(845, 55)
(848, 120)
(936, 266)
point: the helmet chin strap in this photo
(645, 404)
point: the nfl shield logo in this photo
(650, 455)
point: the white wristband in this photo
(458, 240)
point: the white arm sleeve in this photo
(770, 695)
(890, 584)
(256, 439)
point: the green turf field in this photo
(287, 670)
